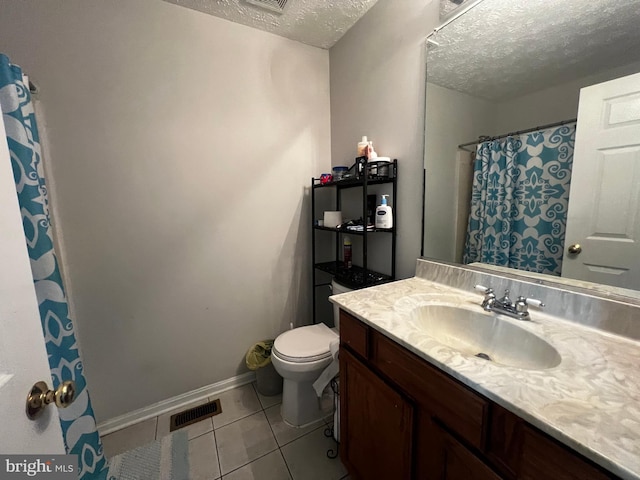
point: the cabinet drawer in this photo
(457, 407)
(543, 458)
(354, 334)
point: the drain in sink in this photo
(483, 355)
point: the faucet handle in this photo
(489, 297)
(483, 289)
(534, 302)
(522, 306)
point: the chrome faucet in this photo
(518, 309)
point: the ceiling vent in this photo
(271, 5)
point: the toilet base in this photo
(300, 404)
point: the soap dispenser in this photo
(384, 216)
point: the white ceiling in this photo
(504, 48)
(320, 23)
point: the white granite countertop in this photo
(590, 402)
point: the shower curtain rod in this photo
(455, 15)
(528, 130)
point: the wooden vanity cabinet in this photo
(402, 418)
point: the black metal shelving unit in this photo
(355, 277)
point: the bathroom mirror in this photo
(499, 67)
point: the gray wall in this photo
(451, 116)
(377, 89)
(180, 150)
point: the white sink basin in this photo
(486, 335)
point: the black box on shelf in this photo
(371, 209)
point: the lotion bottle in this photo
(384, 216)
(363, 146)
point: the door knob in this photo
(40, 396)
(575, 249)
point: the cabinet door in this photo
(452, 461)
(376, 424)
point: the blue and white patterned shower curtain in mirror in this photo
(519, 201)
(77, 421)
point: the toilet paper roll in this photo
(332, 219)
(329, 372)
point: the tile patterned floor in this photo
(248, 440)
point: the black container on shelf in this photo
(371, 209)
(378, 168)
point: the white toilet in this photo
(299, 356)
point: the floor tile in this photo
(203, 458)
(243, 441)
(307, 458)
(265, 401)
(269, 467)
(194, 430)
(283, 432)
(129, 438)
(236, 404)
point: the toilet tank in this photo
(337, 288)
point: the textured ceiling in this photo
(319, 23)
(504, 48)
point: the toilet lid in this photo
(305, 344)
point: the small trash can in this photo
(268, 381)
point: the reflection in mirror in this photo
(511, 179)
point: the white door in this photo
(23, 358)
(604, 202)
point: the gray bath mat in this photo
(164, 459)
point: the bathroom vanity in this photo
(416, 407)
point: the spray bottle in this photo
(346, 252)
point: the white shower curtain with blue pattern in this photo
(77, 421)
(519, 201)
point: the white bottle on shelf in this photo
(384, 215)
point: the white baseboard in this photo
(128, 419)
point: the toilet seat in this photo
(305, 344)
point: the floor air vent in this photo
(273, 5)
(194, 415)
